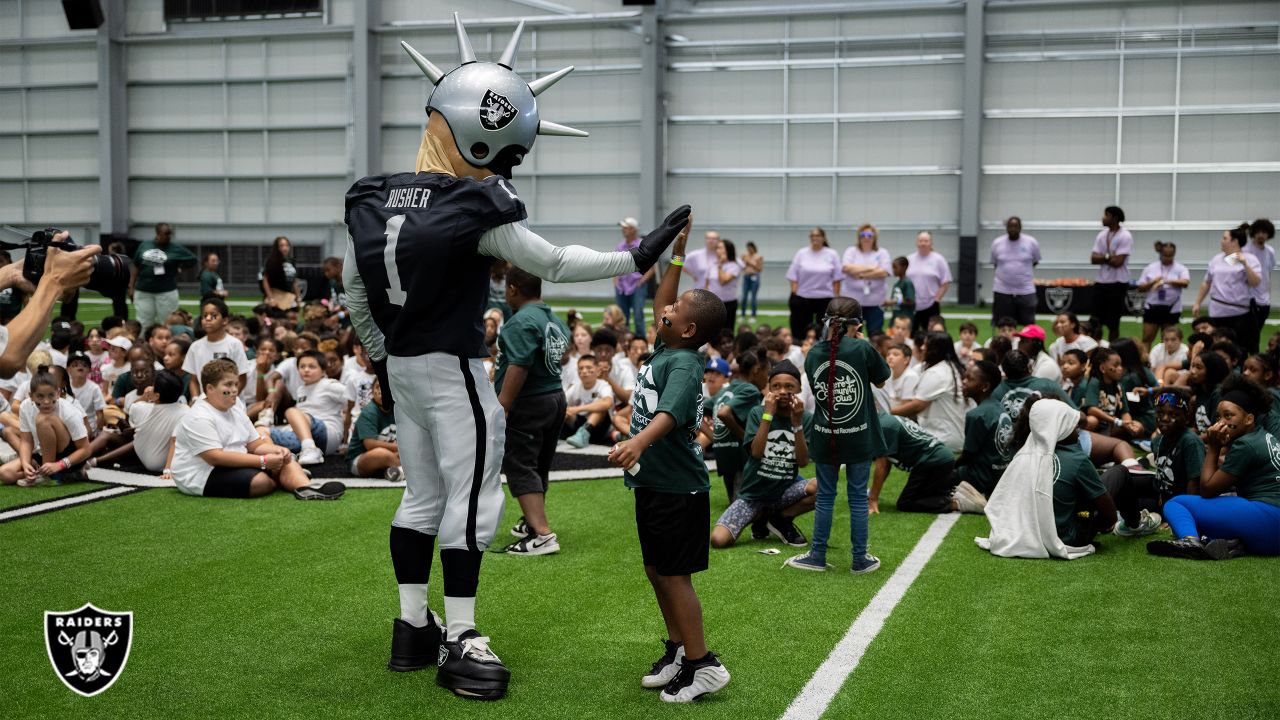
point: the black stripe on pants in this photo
(477, 477)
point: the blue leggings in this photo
(856, 475)
(1256, 523)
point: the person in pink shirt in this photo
(1111, 249)
(815, 276)
(1229, 282)
(722, 279)
(931, 275)
(630, 290)
(866, 265)
(1015, 256)
(698, 263)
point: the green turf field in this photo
(277, 608)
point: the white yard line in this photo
(65, 502)
(822, 688)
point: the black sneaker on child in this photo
(759, 529)
(1189, 548)
(470, 669)
(414, 648)
(785, 530)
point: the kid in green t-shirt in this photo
(988, 432)
(665, 468)
(931, 480)
(731, 411)
(902, 297)
(372, 450)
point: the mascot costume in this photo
(417, 278)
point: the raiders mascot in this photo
(417, 278)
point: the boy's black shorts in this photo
(673, 529)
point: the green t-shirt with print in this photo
(210, 283)
(1254, 460)
(766, 479)
(1178, 461)
(1107, 398)
(534, 338)
(1076, 394)
(1013, 394)
(709, 410)
(373, 424)
(909, 446)
(158, 266)
(740, 397)
(1271, 421)
(1144, 411)
(903, 298)
(850, 410)
(1206, 408)
(988, 435)
(1075, 485)
(671, 382)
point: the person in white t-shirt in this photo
(215, 345)
(903, 379)
(1070, 336)
(217, 452)
(318, 423)
(358, 378)
(87, 394)
(939, 403)
(54, 440)
(1171, 351)
(151, 426)
(116, 362)
(590, 400)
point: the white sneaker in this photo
(692, 682)
(310, 456)
(535, 545)
(966, 503)
(664, 671)
(1148, 523)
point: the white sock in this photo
(309, 445)
(413, 604)
(460, 614)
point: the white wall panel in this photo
(312, 151)
(307, 201)
(304, 55)
(62, 155)
(177, 201)
(246, 58)
(174, 106)
(1239, 195)
(12, 206)
(1147, 140)
(915, 200)
(246, 153)
(245, 106)
(602, 200)
(62, 202)
(1147, 197)
(613, 96)
(724, 146)
(899, 143)
(1046, 197)
(610, 148)
(1149, 81)
(55, 109)
(302, 103)
(738, 200)
(11, 157)
(404, 99)
(400, 149)
(725, 93)
(812, 90)
(1230, 138)
(1220, 80)
(808, 198)
(903, 87)
(175, 61)
(248, 201)
(61, 64)
(1083, 83)
(1025, 141)
(11, 116)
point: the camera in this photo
(110, 274)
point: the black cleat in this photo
(470, 669)
(1189, 548)
(785, 530)
(415, 648)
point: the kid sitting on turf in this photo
(671, 485)
(87, 394)
(842, 367)
(372, 450)
(317, 423)
(54, 438)
(731, 411)
(1177, 454)
(218, 453)
(590, 399)
(215, 345)
(714, 381)
(771, 491)
(932, 486)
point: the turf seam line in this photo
(65, 502)
(827, 680)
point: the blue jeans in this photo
(750, 293)
(873, 320)
(287, 439)
(632, 304)
(856, 475)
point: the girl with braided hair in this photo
(841, 369)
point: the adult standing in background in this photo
(1260, 232)
(631, 290)
(699, 263)
(1229, 283)
(1015, 256)
(1111, 249)
(815, 276)
(866, 265)
(723, 279)
(210, 281)
(931, 275)
(279, 277)
(1162, 281)
(153, 276)
(752, 268)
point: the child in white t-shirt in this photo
(901, 385)
(54, 437)
(88, 395)
(358, 378)
(115, 364)
(590, 400)
(215, 345)
(217, 451)
(318, 423)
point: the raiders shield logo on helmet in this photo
(88, 647)
(496, 112)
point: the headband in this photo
(1246, 401)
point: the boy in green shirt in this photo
(666, 470)
(902, 298)
(527, 378)
(715, 379)
(931, 480)
(372, 449)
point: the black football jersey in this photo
(415, 237)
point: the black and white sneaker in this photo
(470, 669)
(414, 648)
(695, 679)
(785, 530)
(521, 529)
(664, 671)
(1197, 548)
(331, 490)
(759, 529)
(534, 544)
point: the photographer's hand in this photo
(62, 271)
(69, 270)
(11, 277)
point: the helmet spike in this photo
(465, 53)
(541, 84)
(546, 127)
(508, 59)
(428, 68)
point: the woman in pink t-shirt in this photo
(815, 276)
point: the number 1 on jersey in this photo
(395, 293)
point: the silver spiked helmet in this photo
(491, 110)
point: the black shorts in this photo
(64, 452)
(1160, 315)
(1019, 307)
(674, 530)
(225, 482)
(532, 429)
